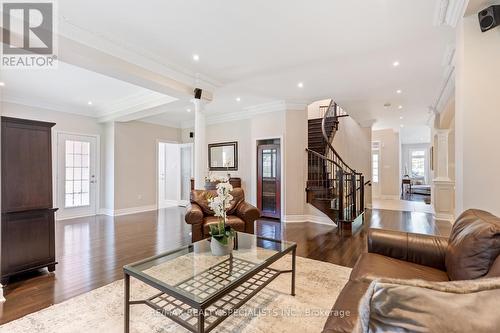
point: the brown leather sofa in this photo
(471, 252)
(241, 215)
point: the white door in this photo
(186, 172)
(76, 175)
(162, 174)
(376, 169)
(169, 179)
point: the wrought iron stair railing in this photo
(333, 186)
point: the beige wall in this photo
(477, 117)
(389, 162)
(353, 143)
(135, 159)
(246, 132)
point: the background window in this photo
(417, 161)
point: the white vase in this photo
(219, 249)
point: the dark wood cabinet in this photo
(27, 212)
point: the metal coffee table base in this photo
(205, 316)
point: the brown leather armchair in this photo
(471, 252)
(241, 215)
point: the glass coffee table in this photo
(198, 290)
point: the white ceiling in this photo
(259, 50)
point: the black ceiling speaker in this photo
(489, 18)
(197, 93)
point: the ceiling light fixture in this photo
(2, 84)
(300, 85)
(400, 107)
(188, 110)
(196, 57)
(89, 102)
(399, 91)
(395, 63)
(402, 125)
(238, 99)
(401, 118)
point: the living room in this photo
(233, 174)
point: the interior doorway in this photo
(269, 177)
(174, 174)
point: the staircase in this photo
(333, 187)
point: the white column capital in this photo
(442, 132)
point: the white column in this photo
(200, 145)
(443, 188)
(442, 154)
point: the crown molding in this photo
(36, 103)
(449, 12)
(125, 108)
(448, 84)
(246, 113)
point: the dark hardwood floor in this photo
(92, 251)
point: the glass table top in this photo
(195, 274)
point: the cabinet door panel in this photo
(26, 167)
(30, 240)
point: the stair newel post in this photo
(362, 194)
(353, 194)
(340, 177)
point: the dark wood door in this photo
(269, 180)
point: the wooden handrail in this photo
(327, 139)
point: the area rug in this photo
(273, 309)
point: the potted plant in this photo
(222, 241)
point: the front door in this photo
(76, 175)
(269, 180)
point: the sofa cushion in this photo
(371, 266)
(201, 197)
(235, 222)
(422, 306)
(344, 313)
(473, 246)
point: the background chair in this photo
(241, 215)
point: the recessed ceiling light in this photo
(401, 117)
(2, 84)
(395, 63)
(89, 102)
(188, 110)
(300, 85)
(402, 125)
(196, 57)
(400, 107)
(399, 91)
(238, 99)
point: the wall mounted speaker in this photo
(191, 134)
(489, 18)
(197, 93)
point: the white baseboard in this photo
(369, 206)
(126, 211)
(62, 218)
(444, 217)
(134, 210)
(308, 218)
(106, 211)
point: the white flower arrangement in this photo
(219, 205)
